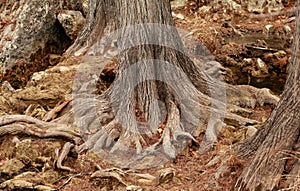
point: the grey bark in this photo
(148, 59)
(275, 146)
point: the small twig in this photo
(54, 112)
(68, 180)
(262, 48)
(59, 179)
(235, 30)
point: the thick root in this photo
(21, 124)
(102, 131)
(64, 152)
(101, 139)
(248, 96)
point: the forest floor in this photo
(238, 42)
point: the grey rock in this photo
(250, 131)
(72, 22)
(28, 27)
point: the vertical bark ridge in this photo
(100, 21)
(280, 133)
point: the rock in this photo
(250, 131)
(29, 32)
(43, 188)
(166, 175)
(265, 96)
(11, 166)
(179, 15)
(54, 59)
(246, 61)
(178, 3)
(217, 71)
(85, 6)
(37, 76)
(204, 9)
(15, 183)
(72, 22)
(278, 61)
(260, 64)
(256, 67)
(227, 5)
(239, 135)
(262, 69)
(26, 151)
(134, 188)
(259, 6)
(287, 29)
(268, 27)
(233, 5)
(30, 29)
(6, 89)
(280, 54)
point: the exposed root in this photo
(54, 112)
(9, 119)
(90, 113)
(101, 139)
(127, 177)
(21, 124)
(119, 175)
(63, 154)
(173, 132)
(238, 110)
(173, 140)
(249, 96)
(265, 171)
(68, 180)
(101, 130)
(292, 180)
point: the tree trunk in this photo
(155, 82)
(160, 99)
(276, 145)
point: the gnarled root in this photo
(21, 124)
(103, 133)
(64, 152)
(101, 139)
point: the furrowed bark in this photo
(272, 143)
